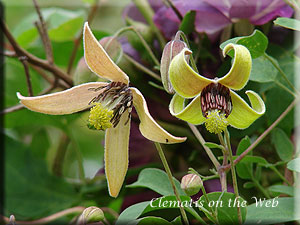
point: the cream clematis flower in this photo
(111, 104)
(214, 101)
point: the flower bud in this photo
(191, 184)
(91, 215)
(113, 48)
(171, 49)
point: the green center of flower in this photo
(100, 117)
(113, 100)
(216, 121)
(216, 106)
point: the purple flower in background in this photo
(213, 15)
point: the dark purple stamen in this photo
(216, 96)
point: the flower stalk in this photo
(146, 10)
(234, 180)
(223, 179)
(169, 173)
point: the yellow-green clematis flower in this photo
(111, 104)
(214, 101)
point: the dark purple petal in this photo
(241, 9)
(132, 11)
(166, 21)
(222, 6)
(208, 19)
(270, 13)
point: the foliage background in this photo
(36, 187)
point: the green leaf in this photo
(288, 23)
(62, 25)
(177, 221)
(161, 185)
(283, 145)
(262, 70)
(294, 165)
(153, 220)
(283, 189)
(248, 185)
(266, 214)
(188, 23)
(256, 43)
(131, 213)
(244, 169)
(226, 211)
(30, 191)
(277, 100)
(213, 145)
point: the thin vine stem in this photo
(55, 216)
(261, 188)
(148, 13)
(223, 179)
(193, 63)
(144, 43)
(142, 67)
(234, 179)
(284, 88)
(202, 142)
(284, 76)
(167, 168)
(280, 175)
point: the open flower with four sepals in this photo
(214, 101)
(111, 104)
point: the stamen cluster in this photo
(216, 106)
(115, 97)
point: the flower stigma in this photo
(114, 99)
(216, 106)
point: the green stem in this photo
(222, 173)
(167, 168)
(142, 68)
(207, 201)
(80, 163)
(280, 175)
(144, 43)
(285, 88)
(57, 166)
(204, 178)
(202, 142)
(284, 76)
(261, 188)
(148, 13)
(234, 180)
(193, 63)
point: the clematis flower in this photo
(214, 101)
(214, 15)
(111, 104)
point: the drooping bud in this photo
(191, 184)
(171, 49)
(113, 48)
(91, 215)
